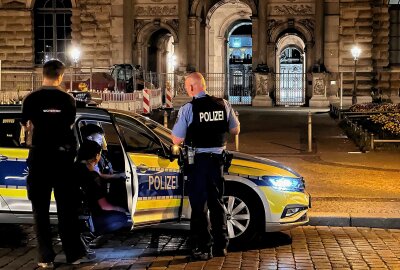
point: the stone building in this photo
(299, 51)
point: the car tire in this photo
(243, 222)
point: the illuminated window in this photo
(52, 29)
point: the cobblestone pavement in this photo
(301, 248)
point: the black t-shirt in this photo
(52, 112)
(91, 184)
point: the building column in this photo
(128, 28)
(255, 37)
(191, 46)
(262, 32)
(319, 32)
(182, 49)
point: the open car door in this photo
(120, 192)
(160, 188)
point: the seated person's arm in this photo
(113, 176)
(105, 205)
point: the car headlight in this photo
(285, 183)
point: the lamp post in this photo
(355, 52)
(75, 54)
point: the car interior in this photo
(113, 152)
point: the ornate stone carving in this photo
(174, 24)
(308, 23)
(13, 4)
(319, 87)
(272, 25)
(156, 10)
(139, 25)
(181, 85)
(262, 85)
(292, 10)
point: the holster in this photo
(227, 158)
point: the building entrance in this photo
(291, 77)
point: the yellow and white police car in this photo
(261, 195)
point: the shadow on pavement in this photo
(264, 240)
(12, 236)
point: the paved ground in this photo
(301, 248)
(338, 176)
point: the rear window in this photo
(11, 132)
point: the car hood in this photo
(248, 165)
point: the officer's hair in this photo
(91, 129)
(52, 69)
(88, 150)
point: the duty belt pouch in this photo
(227, 157)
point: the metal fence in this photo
(290, 88)
(237, 88)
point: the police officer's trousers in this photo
(206, 188)
(48, 170)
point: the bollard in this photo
(372, 142)
(165, 119)
(309, 132)
(237, 136)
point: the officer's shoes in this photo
(46, 265)
(201, 255)
(220, 252)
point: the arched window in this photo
(52, 29)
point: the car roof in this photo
(96, 111)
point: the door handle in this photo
(3, 158)
(142, 167)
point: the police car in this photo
(261, 194)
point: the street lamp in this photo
(75, 54)
(355, 52)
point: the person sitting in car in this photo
(95, 133)
(106, 217)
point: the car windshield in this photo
(161, 131)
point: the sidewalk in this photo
(348, 188)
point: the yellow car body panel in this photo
(244, 167)
(14, 153)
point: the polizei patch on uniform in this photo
(212, 116)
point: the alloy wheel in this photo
(238, 216)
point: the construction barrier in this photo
(146, 101)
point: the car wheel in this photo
(242, 220)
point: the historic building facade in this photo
(299, 50)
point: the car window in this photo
(138, 137)
(111, 144)
(11, 133)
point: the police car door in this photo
(13, 167)
(160, 192)
(119, 192)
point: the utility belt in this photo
(225, 157)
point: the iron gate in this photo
(240, 87)
(290, 89)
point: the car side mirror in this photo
(175, 152)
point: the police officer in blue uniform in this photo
(202, 125)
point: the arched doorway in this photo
(240, 55)
(160, 52)
(291, 67)
(229, 50)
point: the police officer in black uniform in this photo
(202, 125)
(48, 115)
